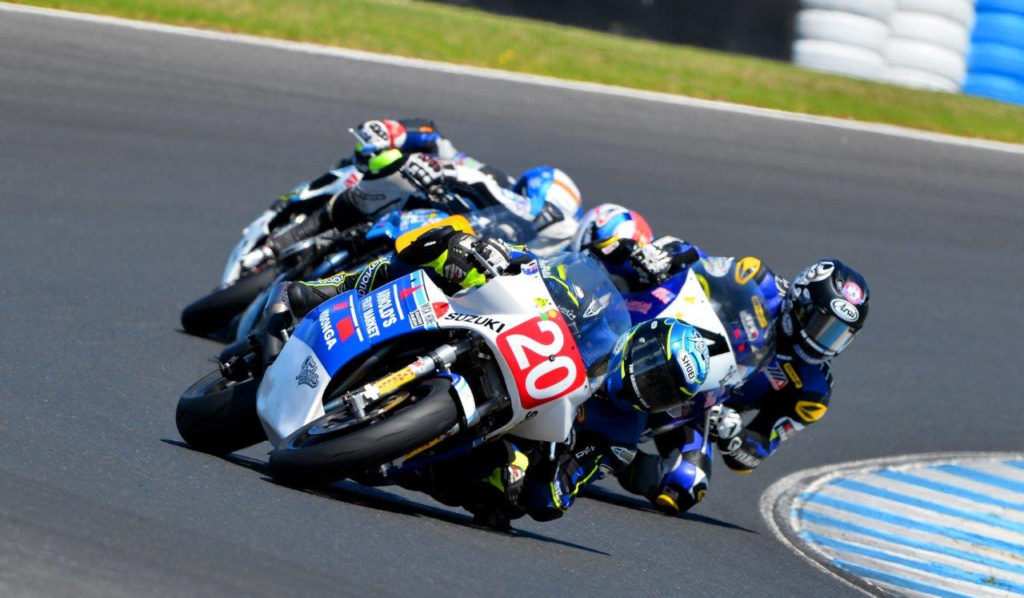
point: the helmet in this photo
(548, 185)
(825, 307)
(601, 228)
(375, 136)
(382, 186)
(555, 204)
(657, 365)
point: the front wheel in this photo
(336, 446)
(217, 415)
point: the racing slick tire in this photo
(336, 446)
(216, 415)
(215, 311)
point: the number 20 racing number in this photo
(543, 358)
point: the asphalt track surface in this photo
(130, 161)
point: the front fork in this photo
(440, 359)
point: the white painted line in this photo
(596, 88)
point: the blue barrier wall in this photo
(995, 62)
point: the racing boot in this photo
(675, 483)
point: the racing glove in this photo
(463, 259)
(428, 174)
(651, 263)
(724, 423)
(744, 451)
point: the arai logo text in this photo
(845, 310)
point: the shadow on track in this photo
(640, 504)
(375, 498)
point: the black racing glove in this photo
(744, 451)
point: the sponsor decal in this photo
(782, 285)
(369, 317)
(776, 376)
(687, 366)
(785, 429)
(664, 295)
(386, 309)
(819, 271)
(394, 381)
(853, 292)
(746, 269)
(307, 373)
(597, 306)
(749, 326)
(642, 307)
(530, 269)
(717, 266)
(542, 302)
(810, 411)
(792, 375)
(423, 316)
(330, 338)
(353, 179)
(482, 321)
(404, 293)
(845, 310)
(762, 319)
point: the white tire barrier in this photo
(918, 79)
(841, 28)
(878, 10)
(842, 59)
(920, 56)
(958, 11)
(930, 28)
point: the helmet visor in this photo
(827, 333)
(652, 377)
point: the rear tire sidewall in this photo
(215, 311)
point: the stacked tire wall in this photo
(996, 59)
(915, 43)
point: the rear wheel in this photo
(218, 416)
(336, 446)
(215, 311)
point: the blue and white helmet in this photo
(548, 185)
(657, 365)
(555, 204)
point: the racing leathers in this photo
(785, 393)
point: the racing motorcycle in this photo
(212, 314)
(721, 299)
(405, 376)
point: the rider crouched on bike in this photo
(815, 318)
(398, 173)
(504, 480)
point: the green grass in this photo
(465, 36)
